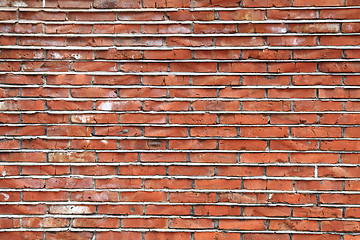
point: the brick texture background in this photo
(179, 119)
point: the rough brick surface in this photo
(180, 119)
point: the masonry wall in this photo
(169, 119)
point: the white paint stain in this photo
(19, 4)
(2, 105)
(4, 173)
(6, 196)
(82, 119)
(70, 209)
(270, 196)
(104, 141)
(106, 106)
(295, 42)
(3, 3)
(76, 56)
(38, 55)
(56, 55)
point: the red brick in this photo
(291, 118)
(242, 67)
(9, 223)
(264, 132)
(96, 223)
(242, 224)
(267, 211)
(242, 198)
(339, 172)
(339, 41)
(118, 183)
(94, 170)
(140, 196)
(316, 132)
(316, 237)
(45, 222)
(116, 4)
(242, 145)
(191, 223)
(213, 157)
(121, 209)
(68, 4)
(292, 41)
(72, 209)
(192, 119)
(243, 14)
(144, 223)
(24, 209)
(317, 212)
(216, 105)
(117, 235)
(17, 183)
(290, 171)
(303, 225)
(216, 80)
(22, 235)
(298, 3)
(218, 184)
(69, 183)
(95, 196)
(263, 157)
(295, 198)
(190, 197)
(340, 226)
(217, 210)
(45, 170)
(69, 235)
(339, 13)
(268, 55)
(192, 144)
(280, 14)
(239, 41)
(318, 185)
(315, 28)
(167, 210)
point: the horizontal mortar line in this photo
(184, 73)
(133, 35)
(143, 9)
(45, 9)
(167, 125)
(66, 86)
(175, 99)
(161, 138)
(174, 112)
(169, 73)
(189, 164)
(182, 230)
(120, 190)
(182, 22)
(118, 150)
(182, 60)
(71, 203)
(199, 216)
(163, 47)
(102, 10)
(176, 151)
(174, 177)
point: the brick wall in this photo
(179, 119)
